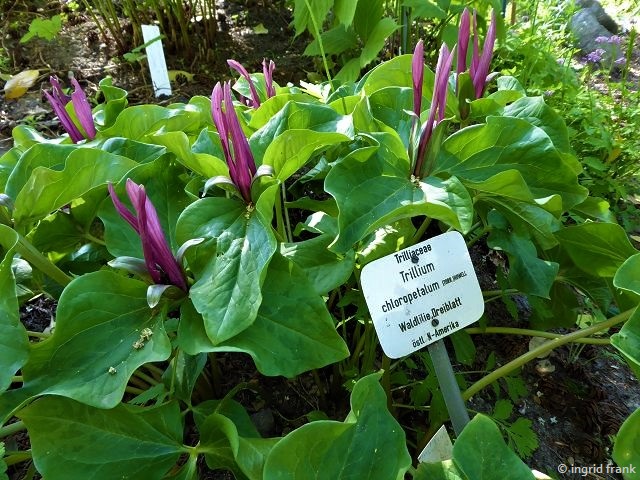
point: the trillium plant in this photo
(177, 242)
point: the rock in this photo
(264, 422)
(603, 17)
(586, 28)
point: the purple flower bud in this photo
(620, 61)
(615, 39)
(161, 264)
(481, 70)
(602, 39)
(255, 99)
(83, 110)
(267, 70)
(438, 104)
(235, 146)
(463, 41)
(417, 75)
(58, 100)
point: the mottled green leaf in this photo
(72, 441)
(368, 445)
(626, 449)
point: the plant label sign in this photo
(422, 294)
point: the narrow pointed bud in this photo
(235, 146)
(267, 70)
(475, 58)
(438, 104)
(159, 260)
(237, 66)
(484, 62)
(463, 41)
(83, 110)
(417, 73)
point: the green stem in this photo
(12, 429)
(316, 33)
(533, 333)
(42, 263)
(543, 350)
(287, 222)
(38, 334)
(147, 378)
(280, 228)
(156, 371)
(17, 458)
(95, 240)
(421, 229)
(134, 390)
(17, 379)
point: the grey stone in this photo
(264, 421)
(585, 27)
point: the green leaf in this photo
(91, 354)
(372, 188)
(292, 316)
(305, 10)
(206, 164)
(345, 11)
(224, 446)
(595, 208)
(298, 116)
(14, 343)
(292, 149)
(69, 439)
(438, 471)
(367, 17)
(480, 453)
(628, 275)
(335, 41)
(479, 152)
(598, 249)
(627, 341)
(46, 28)
(139, 121)
(464, 347)
(522, 438)
(535, 111)
(368, 445)
(376, 40)
(47, 190)
(115, 101)
(324, 269)
(230, 265)
(39, 155)
(527, 272)
(424, 9)
(183, 373)
(3, 465)
(626, 450)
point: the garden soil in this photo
(576, 400)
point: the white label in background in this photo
(422, 294)
(157, 63)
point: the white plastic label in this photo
(422, 294)
(157, 63)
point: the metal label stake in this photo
(420, 295)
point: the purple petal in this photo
(245, 166)
(83, 110)
(417, 73)
(242, 71)
(475, 58)
(64, 118)
(480, 77)
(157, 254)
(268, 76)
(58, 94)
(438, 103)
(220, 120)
(463, 41)
(121, 209)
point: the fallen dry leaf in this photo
(18, 85)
